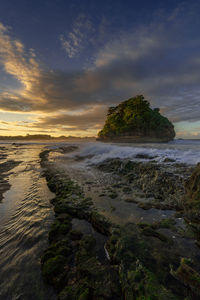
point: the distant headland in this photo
(134, 121)
(45, 137)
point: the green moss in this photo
(144, 285)
(100, 223)
(85, 295)
(47, 255)
(60, 248)
(148, 231)
(53, 266)
(113, 195)
(188, 276)
(68, 293)
(167, 223)
(127, 189)
(59, 228)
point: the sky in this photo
(63, 63)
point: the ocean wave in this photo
(93, 153)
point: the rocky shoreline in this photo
(140, 260)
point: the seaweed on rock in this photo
(140, 257)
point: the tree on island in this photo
(134, 118)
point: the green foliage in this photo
(135, 117)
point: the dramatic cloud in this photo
(24, 68)
(89, 120)
(160, 60)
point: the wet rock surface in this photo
(143, 261)
(71, 263)
(192, 197)
(192, 203)
(163, 186)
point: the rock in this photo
(192, 188)
(134, 121)
(113, 195)
(149, 231)
(167, 159)
(68, 149)
(140, 255)
(188, 276)
(191, 201)
(145, 205)
(144, 257)
(164, 188)
(75, 235)
(53, 266)
(144, 156)
(100, 223)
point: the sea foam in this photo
(180, 152)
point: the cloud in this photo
(24, 68)
(160, 60)
(41, 90)
(88, 120)
(78, 38)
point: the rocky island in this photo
(134, 121)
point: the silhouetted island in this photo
(134, 121)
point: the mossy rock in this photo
(188, 276)
(76, 235)
(68, 293)
(58, 229)
(131, 244)
(85, 295)
(62, 248)
(100, 223)
(149, 231)
(192, 196)
(142, 284)
(53, 266)
(113, 195)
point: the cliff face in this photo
(134, 121)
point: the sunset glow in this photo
(59, 74)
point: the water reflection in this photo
(25, 218)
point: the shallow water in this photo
(25, 218)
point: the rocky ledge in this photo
(192, 197)
(142, 260)
(134, 121)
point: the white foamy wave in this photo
(93, 153)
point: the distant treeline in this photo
(42, 137)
